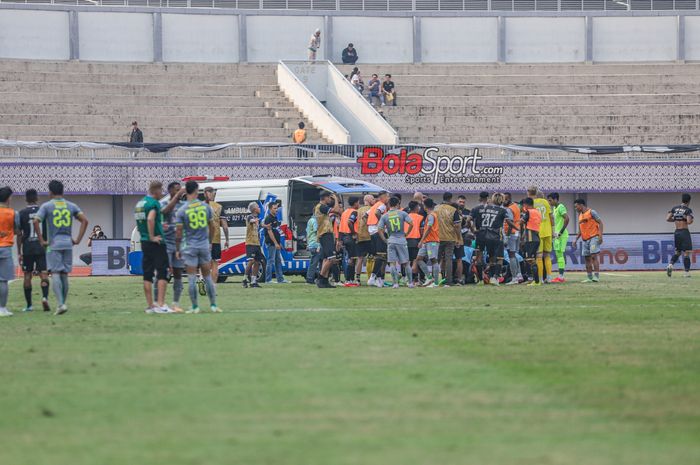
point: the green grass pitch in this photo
(562, 374)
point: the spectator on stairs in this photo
(349, 55)
(299, 137)
(136, 136)
(388, 96)
(314, 44)
(374, 87)
(356, 80)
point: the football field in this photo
(579, 374)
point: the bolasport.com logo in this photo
(429, 167)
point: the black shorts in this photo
(530, 249)
(216, 251)
(494, 248)
(364, 248)
(155, 261)
(34, 263)
(412, 248)
(350, 245)
(459, 251)
(480, 241)
(254, 252)
(682, 240)
(327, 242)
(378, 245)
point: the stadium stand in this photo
(202, 103)
(600, 104)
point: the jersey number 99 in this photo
(197, 218)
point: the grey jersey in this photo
(169, 222)
(195, 217)
(59, 215)
(394, 223)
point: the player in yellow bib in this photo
(544, 267)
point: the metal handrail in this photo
(385, 5)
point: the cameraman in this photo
(96, 235)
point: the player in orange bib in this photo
(530, 221)
(591, 233)
(9, 226)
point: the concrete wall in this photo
(635, 39)
(116, 36)
(41, 35)
(132, 34)
(274, 38)
(451, 40)
(200, 38)
(378, 40)
(545, 40)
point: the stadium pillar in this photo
(242, 39)
(417, 41)
(117, 220)
(589, 39)
(680, 44)
(157, 37)
(328, 37)
(73, 35)
(501, 40)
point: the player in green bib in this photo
(561, 234)
(149, 222)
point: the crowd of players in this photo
(424, 244)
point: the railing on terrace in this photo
(17, 151)
(394, 5)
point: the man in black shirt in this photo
(682, 216)
(328, 204)
(273, 241)
(491, 219)
(475, 216)
(349, 55)
(136, 136)
(32, 255)
(388, 96)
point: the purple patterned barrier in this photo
(131, 177)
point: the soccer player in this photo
(479, 235)
(530, 221)
(429, 246)
(544, 265)
(253, 252)
(31, 254)
(561, 234)
(591, 232)
(512, 239)
(378, 246)
(397, 248)
(9, 226)
(459, 243)
(414, 237)
(168, 208)
(492, 218)
(348, 237)
(364, 239)
(328, 203)
(682, 216)
(219, 222)
(59, 214)
(195, 222)
(449, 227)
(149, 222)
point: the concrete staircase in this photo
(192, 103)
(601, 104)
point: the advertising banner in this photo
(109, 257)
(628, 252)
